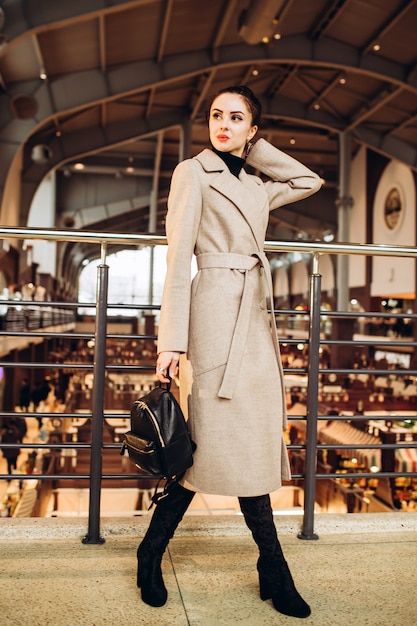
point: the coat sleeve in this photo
(182, 222)
(289, 181)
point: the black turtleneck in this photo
(234, 163)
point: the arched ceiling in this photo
(123, 86)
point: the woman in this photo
(231, 379)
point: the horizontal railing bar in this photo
(331, 446)
(368, 475)
(52, 446)
(25, 414)
(354, 314)
(56, 234)
(75, 365)
(48, 334)
(128, 337)
(47, 304)
(34, 304)
(156, 307)
(66, 476)
(399, 445)
(121, 367)
(397, 416)
(368, 342)
(115, 367)
(44, 333)
(332, 370)
(343, 476)
(140, 307)
(321, 446)
(74, 476)
(371, 314)
(375, 446)
(292, 341)
(51, 365)
(50, 304)
(309, 247)
(318, 247)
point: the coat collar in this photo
(248, 197)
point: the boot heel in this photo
(151, 583)
(149, 578)
(264, 589)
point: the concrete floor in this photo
(362, 570)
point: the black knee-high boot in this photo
(275, 578)
(165, 519)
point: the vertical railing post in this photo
(307, 531)
(93, 535)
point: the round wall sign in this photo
(393, 208)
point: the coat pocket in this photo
(214, 310)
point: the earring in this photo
(247, 149)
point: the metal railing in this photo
(100, 367)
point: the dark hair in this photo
(247, 94)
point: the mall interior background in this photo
(101, 102)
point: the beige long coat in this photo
(231, 381)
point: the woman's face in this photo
(230, 124)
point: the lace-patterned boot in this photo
(275, 578)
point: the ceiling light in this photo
(376, 47)
(316, 106)
(58, 133)
(255, 72)
(79, 166)
(130, 170)
(292, 141)
(277, 36)
(42, 74)
(342, 81)
(258, 22)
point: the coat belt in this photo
(245, 264)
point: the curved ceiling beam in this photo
(95, 139)
(23, 16)
(27, 17)
(89, 141)
(281, 107)
(80, 90)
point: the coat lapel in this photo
(245, 193)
